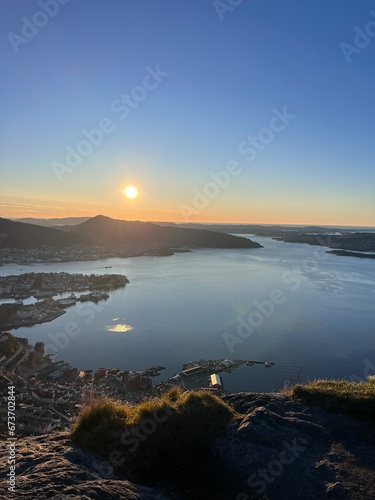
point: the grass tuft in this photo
(167, 437)
(340, 395)
(97, 423)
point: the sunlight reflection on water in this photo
(119, 328)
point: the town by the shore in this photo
(50, 393)
(44, 288)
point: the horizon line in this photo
(291, 224)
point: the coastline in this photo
(50, 318)
(347, 253)
(45, 286)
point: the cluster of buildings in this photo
(49, 395)
(16, 286)
(50, 254)
(42, 285)
(45, 286)
(75, 253)
(36, 314)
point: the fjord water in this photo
(196, 305)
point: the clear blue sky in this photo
(225, 73)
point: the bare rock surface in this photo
(286, 449)
(51, 466)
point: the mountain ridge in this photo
(105, 231)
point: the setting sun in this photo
(131, 192)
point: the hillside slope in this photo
(104, 231)
(101, 229)
(281, 448)
(22, 235)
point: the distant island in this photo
(361, 255)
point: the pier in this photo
(210, 366)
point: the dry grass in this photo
(340, 395)
(156, 440)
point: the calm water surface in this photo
(197, 305)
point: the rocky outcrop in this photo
(280, 448)
(286, 449)
(51, 466)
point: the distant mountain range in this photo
(271, 230)
(69, 221)
(258, 229)
(107, 232)
(104, 231)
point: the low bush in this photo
(165, 441)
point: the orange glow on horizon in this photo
(150, 210)
(151, 217)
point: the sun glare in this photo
(131, 192)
